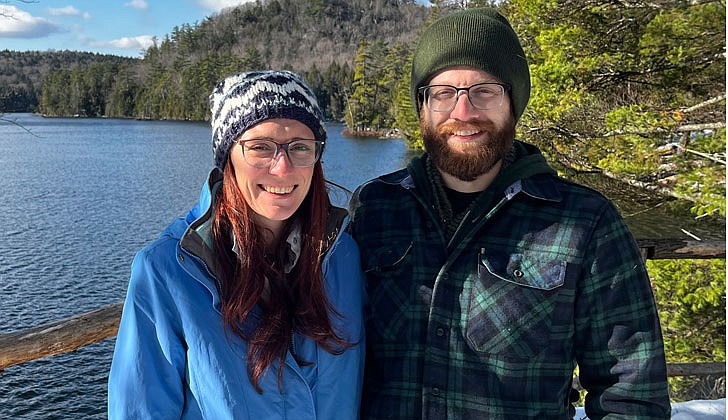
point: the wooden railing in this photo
(59, 337)
(70, 334)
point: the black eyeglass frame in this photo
(423, 96)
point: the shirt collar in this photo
(293, 251)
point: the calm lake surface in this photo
(82, 196)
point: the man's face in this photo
(467, 142)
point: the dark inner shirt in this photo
(459, 201)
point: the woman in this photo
(251, 306)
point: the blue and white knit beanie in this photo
(243, 100)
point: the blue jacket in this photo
(175, 359)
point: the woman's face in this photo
(275, 192)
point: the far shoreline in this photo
(372, 133)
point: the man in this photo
(490, 278)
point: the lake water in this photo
(81, 196)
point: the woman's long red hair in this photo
(294, 302)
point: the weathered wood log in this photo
(58, 337)
(696, 369)
(675, 249)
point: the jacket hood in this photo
(197, 238)
(209, 190)
(528, 163)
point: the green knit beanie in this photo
(481, 38)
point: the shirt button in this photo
(436, 391)
(518, 273)
(440, 332)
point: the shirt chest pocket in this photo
(518, 305)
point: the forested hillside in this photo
(22, 74)
(318, 38)
(301, 33)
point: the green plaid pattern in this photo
(543, 276)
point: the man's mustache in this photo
(456, 126)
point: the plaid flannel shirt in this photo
(541, 276)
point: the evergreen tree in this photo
(252, 60)
(405, 116)
(614, 86)
(121, 98)
(369, 103)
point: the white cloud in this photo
(138, 4)
(141, 42)
(64, 11)
(217, 5)
(16, 23)
(68, 11)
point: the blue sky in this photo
(119, 27)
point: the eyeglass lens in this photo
(301, 153)
(483, 96)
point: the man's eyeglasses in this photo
(301, 153)
(483, 96)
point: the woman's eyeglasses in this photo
(301, 153)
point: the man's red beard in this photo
(475, 159)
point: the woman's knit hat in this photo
(480, 38)
(243, 100)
